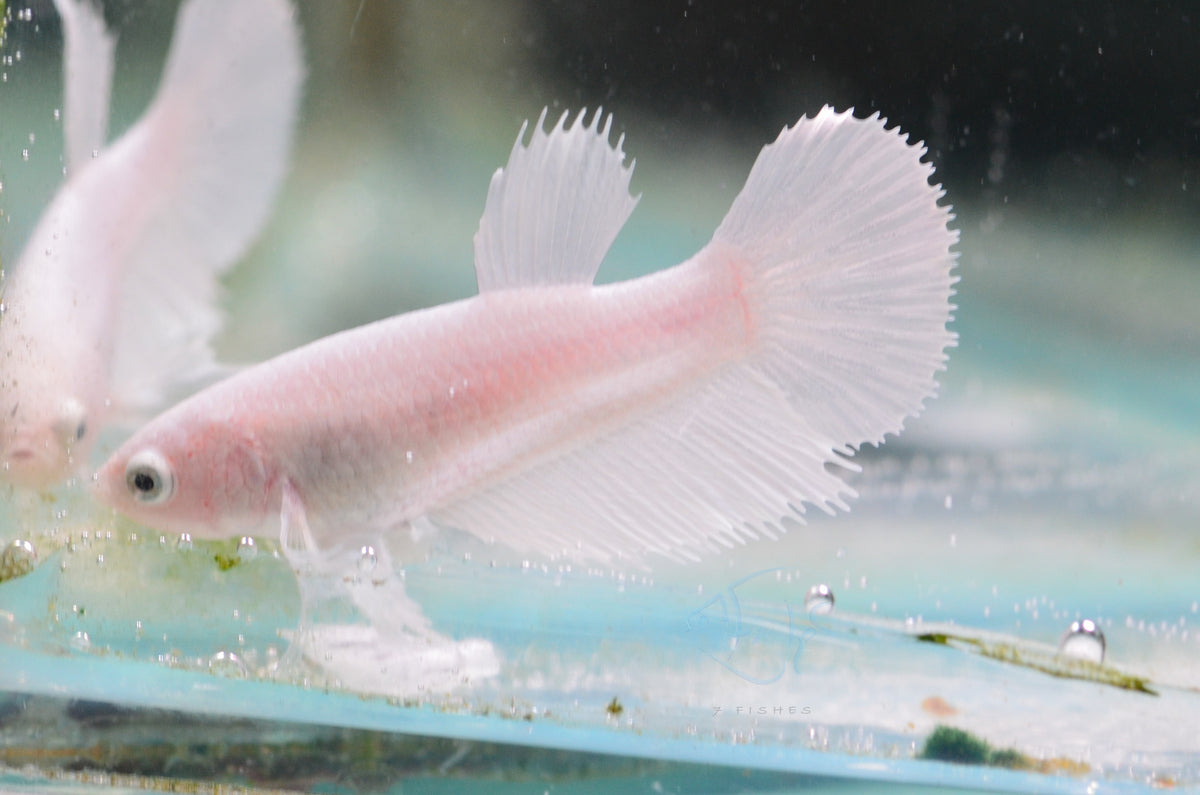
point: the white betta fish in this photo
(112, 303)
(669, 415)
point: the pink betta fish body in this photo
(668, 415)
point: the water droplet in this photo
(367, 559)
(246, 548)
(17, 560)
(819, 600)
(80, 641)
(228, 664)
(1083, 640)
(184, 542)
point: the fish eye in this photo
(149, 478)
(71, 425)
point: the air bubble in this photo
(1083, 640)
(17, 560)
(227, 664)
(819, 600)
(367, 559)
(184, 542)
(80, 641)
(246, 548)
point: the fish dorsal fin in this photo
(197, 176)
(87, 80)
(555, 209)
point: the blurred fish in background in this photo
(110, 309)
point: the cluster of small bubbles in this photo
(1083, 640)
(80, 641)
(367, 559)
(184, 542)
(246, 548)
(228, 664)
(18, 559)
(819, 600)
(25, 15)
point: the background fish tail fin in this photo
(87, 79)
(202, 168)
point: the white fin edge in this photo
(553, 212)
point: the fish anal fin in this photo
(712, 469)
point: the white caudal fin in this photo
(852, 258)
(844, 256)
(200, 172)
(87, 80)
(553, 212)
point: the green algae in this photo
(1043, 661)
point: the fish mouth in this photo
(29, 466)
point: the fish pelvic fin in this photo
(553, 212)
(199, 174)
